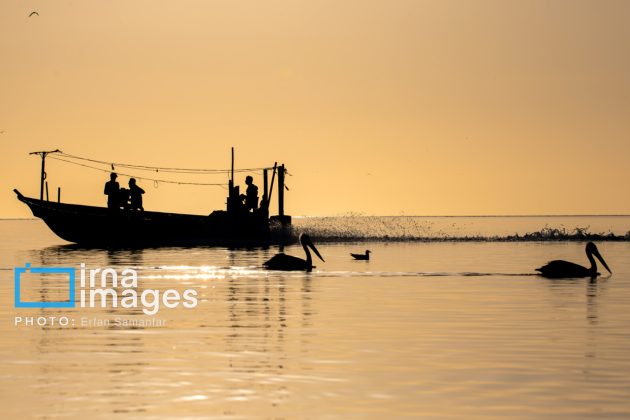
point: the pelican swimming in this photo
(365, 256)
(559, 269)
(286, 262)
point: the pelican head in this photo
(306, 242)
(591, 250)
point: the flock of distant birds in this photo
(557, 269)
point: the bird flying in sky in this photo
(33, 13)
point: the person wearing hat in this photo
(112, 191)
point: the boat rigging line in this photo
(154, 180)
(113, 165)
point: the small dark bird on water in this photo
(560, 269)
(363, 257)
(33, 13)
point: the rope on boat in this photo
(155, 180)
(158, 168)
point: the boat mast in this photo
(281, 191)
(43, 154)
(232, 171)
(232, 189)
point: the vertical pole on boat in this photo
(281, 190)
(273, 177)
(58, 194)
(232, 171)
(230, 200)
(43, 177)
(266, 187)
(43, 173)
(47, 198)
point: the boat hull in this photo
(102, 227)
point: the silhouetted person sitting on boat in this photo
(112, 191)
(251, 196)
(123, 198)
(263, 209)
(135, 195)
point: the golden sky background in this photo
(376, 107)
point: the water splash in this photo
(461, 229)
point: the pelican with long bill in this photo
(286, 262)
(560, 269)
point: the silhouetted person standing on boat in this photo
(112, 191)
(251, 196)
(135, 195)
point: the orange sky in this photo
(376, 107)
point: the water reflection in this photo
(130, 257)
(567, 291)
(592, 294)
(74, 255)
(277, 345)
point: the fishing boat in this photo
(96, 227)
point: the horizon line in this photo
(415, 215)
(472, 215)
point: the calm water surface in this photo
(452, 329)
